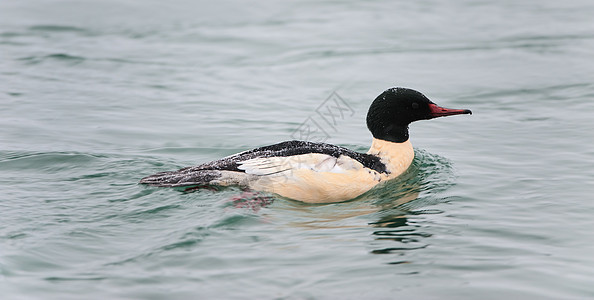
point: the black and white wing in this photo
(272, 160)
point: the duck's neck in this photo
(396, 156)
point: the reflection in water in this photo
(428, 175)
(398, 229)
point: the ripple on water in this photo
(64, 58)
(45, 161)
(56, 28)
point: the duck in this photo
(314, 172)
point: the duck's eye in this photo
(415, 105)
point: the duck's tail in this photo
(183, 177)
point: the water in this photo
(96, 95)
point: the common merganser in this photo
(319, 172)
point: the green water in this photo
(96, 95)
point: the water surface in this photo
(94, 96)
